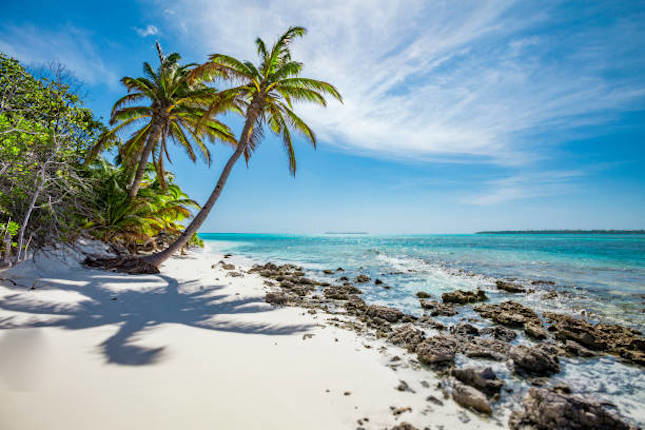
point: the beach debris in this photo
(398, 411)
(436, 308)
(407, 336)
(550, 409)
(463, 296)
(362, 278)
(423, 295)
(340, 269)
(431, 322)
(470, 397)
(123, 264)
(384, 312)
(540, 360)
(437, 350)
(404, 426)
(403, 386)
(483, 379)
(509, 287)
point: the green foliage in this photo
(144, 222)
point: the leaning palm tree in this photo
(179, 107)
(265, 95)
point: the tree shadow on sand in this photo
(136, 311)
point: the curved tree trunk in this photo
(252, 114)
(153, 138)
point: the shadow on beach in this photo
(103, 303)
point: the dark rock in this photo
(437, 350)
(535, 331)
(431, 322)
(340, 293)
(546, 409)
(355, 305)
(541, 360)
(423, 295)
(483, 379)
(123, 264)
(499, 332)
(433, 399)
(469, 397)
(575, 348)
(226, 266)
(542, 282)
(463, 296)
(407, 336)
(404, 426)
(377, 282)
(491, 349)
(509, 287)
(384, 312)
(550, 295)
(276, 298)
(328, 272)
(362, 278)
(403, 386)
(513, 314)
(465, 329)
(436, 308)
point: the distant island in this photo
(563, 232)
(346, 232)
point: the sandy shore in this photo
(194, 348)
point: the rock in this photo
(328, 272)
(362, 278)
(542, 282)
(226, 266)
(431, 322)
(384, 312)
(423, 295)
(491, 349)
(541, 360)
(499, 332)
(433, 399)
(399, 411)
(550, 295)
(469, 397)
(509, 313)
(437, 308)
(575, 348)
(437, 350)
(355, 305)
(377, 282)
(123, 264)
(404, 426)
(535, 331)
(403, 386)
(407, 336)
(483, 379)
(546, 409)
(509, 287)
(276, 298)
(340, 269)
(462, 296)
(465, 329)
(340, 292)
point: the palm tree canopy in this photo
(275, 85)
(178, 106)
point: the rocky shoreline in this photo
(434, 346)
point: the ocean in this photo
(600, 277)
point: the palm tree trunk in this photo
(252, 114)
(153, 138)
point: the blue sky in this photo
(458, 116)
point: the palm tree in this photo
(178, 108)
(265, 95)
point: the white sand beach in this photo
(193, 348)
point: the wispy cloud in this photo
(432, 80)
(149, 30)
(68, 45)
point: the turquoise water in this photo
(599, 276)
(602, 275)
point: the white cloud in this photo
(149, 30)
(425, 80)
(69, 46)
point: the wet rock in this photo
(535, 331)
(340, 269)
(437, 350)
(340, 292)
(407, 336)
(542, 282)
(328, 272)
(436, 308)
(550, 295)
(463, 296)
(483, 379)
(276, 298)
(355, 305)
(574, 348)
(492, 349)
(509, 287)
(541, 360)
(384, 312)
(546, 409)
(469, 397)
(362, 278)
(465, 329)
(423, 295)
(431, 322)
(377, 282)
(499, 332)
